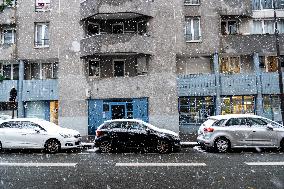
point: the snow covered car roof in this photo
(227, 116)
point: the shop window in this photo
(118, 68)
(117, 28)
(237, 105)
(271, 107)
(94, 68)
(230, 65)
(229, 27)
(195, 109)
(41, 34)
(42, 5)
(192, 29)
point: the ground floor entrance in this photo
(100, 110)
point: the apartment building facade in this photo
(229, 61)
(169, 63)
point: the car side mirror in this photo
(269, 127)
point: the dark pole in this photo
(276, 32)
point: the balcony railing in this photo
(116, 43)
(91, 7)
(248, 44)
(5, 88)
(40, 90)
(230, 84)
(8, 16)
(197, 85)
(236, 8)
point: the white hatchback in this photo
(33, 133)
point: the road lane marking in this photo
(264, 163)
(159, 164)
(38, 164)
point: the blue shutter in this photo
(140, 109)
(95, 110)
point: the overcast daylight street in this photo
(141, 94)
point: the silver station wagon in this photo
(224, 132)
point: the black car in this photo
(123, 134)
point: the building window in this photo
(41, 71)
(8, 36)
(230, 65)
(191, 2)
(118, 68)
(267, 4)
(238, 105)
(117, 28)
(195, 109)
(10, 71)
(264, 27)
(41, 34)
(42, 5)
(192, 29)
(268, 63)
(142, 27)
(229, 27)
(93, 28)
(271, 107)
(94, 68)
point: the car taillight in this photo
(209, 129)
(99, 133)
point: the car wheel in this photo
(163, 147)
(282, 145)
(105, 147)
(52, 146)
(222, 145)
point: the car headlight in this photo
(64, 135)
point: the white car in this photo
(33, 133)
(224, 132)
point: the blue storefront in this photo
(100, 110)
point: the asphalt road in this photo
(191, 168)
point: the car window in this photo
(135, 126)
(30, 125)
(16, 124)
(5, 125)
(118, 125)
(218, 122)
(257, 122)
(236, 121)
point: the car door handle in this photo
(24, 133)
(254, 131)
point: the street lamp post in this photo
(276, 34)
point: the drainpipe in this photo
(217, 83)
(280, 75)
(20, 89)
(259, 107)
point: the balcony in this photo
(236, 8)
(230, 84)
(7, 52)
(116, 43)
(90, 7)
(8, 16)
(247, 44)
(196, 85)
(238, 84)
(5, 88)
(40, 90)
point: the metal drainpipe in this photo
(276, 32)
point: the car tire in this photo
(282, 145)
(52, 146)
(222, 145)
(105, 147)
(163, 147)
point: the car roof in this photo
(228, 116)
(118, 120)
